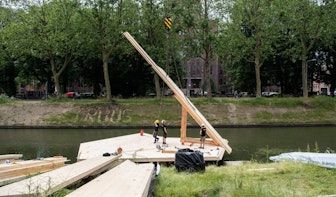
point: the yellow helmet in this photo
(157, 121)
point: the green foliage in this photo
(308, 148)
(316, 148)
(248, 36)
(60, 193)
(263, 154)
(4, 99)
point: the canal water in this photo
(246, 143)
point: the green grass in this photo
(54, 100)
(65, 118)
(253, 180)
(324, 102)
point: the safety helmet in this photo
(202, 125)
(157, 121)
(163, 121)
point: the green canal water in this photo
(246, 143)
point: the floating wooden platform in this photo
(17, 169)
(140, 148)
(49, 182)
(126, 180)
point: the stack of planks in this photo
(9, 158)
(13, 170)
(47, 183)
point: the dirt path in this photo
(233, 113)
(30, 113)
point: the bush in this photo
(4, 99)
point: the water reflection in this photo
(247, 143)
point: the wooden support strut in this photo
(183, 129)
(179, 95)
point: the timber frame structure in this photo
(187, 106)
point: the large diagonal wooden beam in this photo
(179, 95)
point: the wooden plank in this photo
(126, 180)
(24, 168)
(10, 157)
(179, 95)
(169, 151)
(49, 182)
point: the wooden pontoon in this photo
(140, 148)
(127, 179)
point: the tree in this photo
(47, 31)
(248, 35)
(8, 70)
(107, 19)
(152, 21)
(306, 27)
(200, 33)
(327, 42)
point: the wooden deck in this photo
(126, 180)
(140, 148)
(49, 182)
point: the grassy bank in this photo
(143, 111)
(218, 111)
(252, 180)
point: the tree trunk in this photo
(207, 77)
(258, 81)
(106, 75)
(157, 85)
(304, 74)
(257, 66)
(56, 78)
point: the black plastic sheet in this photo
(189, 160)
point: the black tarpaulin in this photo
(189, 160)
